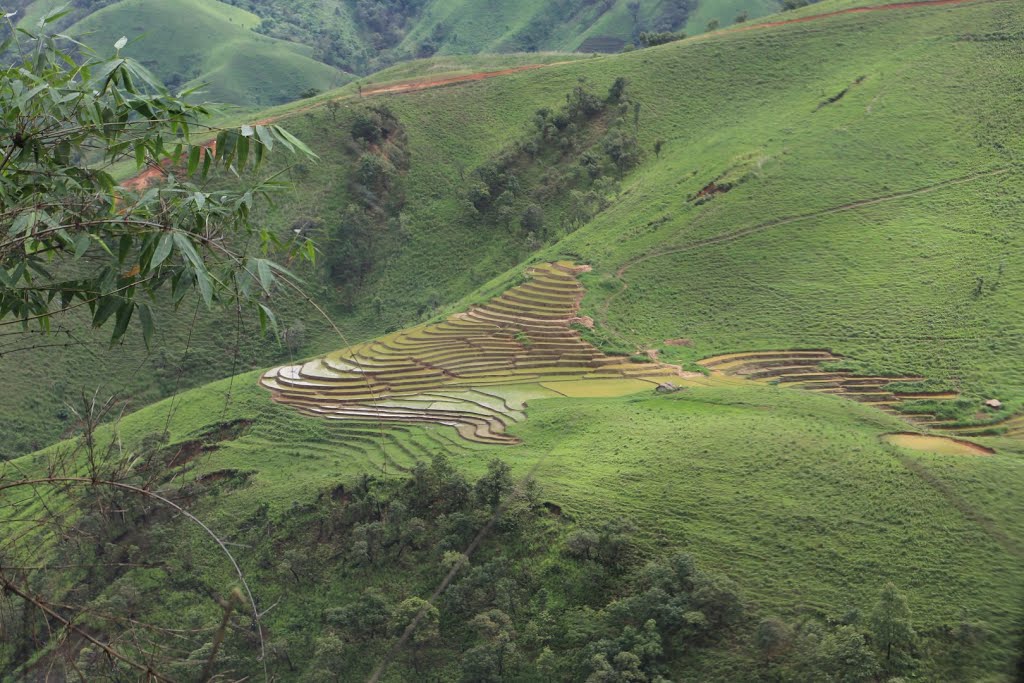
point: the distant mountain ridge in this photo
(257, 53)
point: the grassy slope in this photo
(39, 391)
(914, 254)
(879, 266)
(726, 11)
(203, 42)
(759, 115)
(789, 493)
(483, 26)
(472, 26)
(890, 283)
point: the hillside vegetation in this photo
(189, 43)
(850, 185)
(363, 36)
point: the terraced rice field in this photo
(1011, 426)
(807, 369)
(474, 371)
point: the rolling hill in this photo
(363, 37)
(813, 229)
(189, 43)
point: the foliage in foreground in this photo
(75, 238)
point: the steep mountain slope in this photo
(849, 184)
(762, 128)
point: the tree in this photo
(617, 89)
(892, 631)
(73, 237)
(614, 541)
(491, 487)
(633, 657)
(419, 622)
(364, 619)
(652, 38)
(964, 640)
(582, 544)
(634, 10)
(772, 638)
(713, 25)
(532, 219)
(622, 148)
(496, 655)
(845, 656)
(333, 107)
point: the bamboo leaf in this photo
(163, 249)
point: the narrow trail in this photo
(915, 4)
(774, 223)
(1011, 545)
(412, 86)
(146, 177)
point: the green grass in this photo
(504, 27)
(872, 282)
(453, 65)
(188, 43)
(830, 271)
(790, 494)
(861, 226)
(726, 11)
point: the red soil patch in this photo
(424, 84)
(154, 173)
(711, 189)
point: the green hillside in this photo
(601, 27)
(835, 202)
(188, 43)
(365, 36)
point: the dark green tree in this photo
(496, 656)
(365, 619)
(419, 622)
(845, 656)
(532, 219)
(494, 485)
(892, 630)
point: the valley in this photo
(696, 362)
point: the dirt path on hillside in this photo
(734, 235)
(851, 10)
(412, 86)
(1008, 543)
(146, 177)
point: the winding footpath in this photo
(774, 223)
